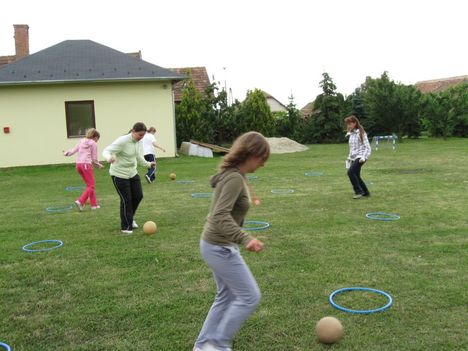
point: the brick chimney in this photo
(21, 40)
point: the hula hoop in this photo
(58, 209)
(59, 242)
(382, 216)
(75, 188)
(5, 346)
(313, 174)
(282, 191)
(202, 195)
(344, 309)
(260, 225)
(185, 181)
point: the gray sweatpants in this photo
(236, 298)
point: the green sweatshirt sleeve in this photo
(221, 212)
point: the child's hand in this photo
(256, 201)
(111, 159)
(254, 245)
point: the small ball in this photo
(172, 176)
(329, 330)
(149, 228)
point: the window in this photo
(80, 117)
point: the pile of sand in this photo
(285, 145)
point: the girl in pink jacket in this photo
(87, 157)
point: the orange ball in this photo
(329, 330)
(149, 228)
(172, 176)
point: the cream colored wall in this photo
(275, 106)
(36, 117)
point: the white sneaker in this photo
(95, 207)
(209, 347)
(79, 205)
(127, 232)
(134, 225)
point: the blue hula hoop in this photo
(282, 191)
(27, 249)
(382, 216)
(344, 309)
(202, 195)
(313, 174)
(59, 209)
(5, 346)
(75, 188)
(185, 181)
(260, 225)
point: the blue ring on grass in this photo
(202, 195)
(282, 191)
(5, 346)
(185, 181)
(75, 188)
(344, 309)
(387, 216)
(260, 225)
(59, 242)
(59, 209)
(313, 174)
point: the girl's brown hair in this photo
(354, 119)
(92, 133)
(251, 144)
(151, 130)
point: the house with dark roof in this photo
(50, 98)
(198, 75)
(437, 85)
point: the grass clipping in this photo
(284, 146)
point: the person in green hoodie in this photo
(124, 155)
(237, 291)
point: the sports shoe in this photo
(127, 232)
(357, 196)
(134, 225)
(148, 179)
(79, 205)
(209, 347)
(95, 207)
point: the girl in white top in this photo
(149, 143)
(359, 153)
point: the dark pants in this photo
(130, 194)
(151, 171)
(354, 174)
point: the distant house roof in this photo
(4, 60)
(274, 103)
(436, 85)
(307, 110)
(76, 61)
(199, 76)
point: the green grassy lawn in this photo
(104, 291)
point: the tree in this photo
(255, 114)
(325, 125)
(391, 107)
(193, 116)
(288, 124)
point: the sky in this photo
(279, 46)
